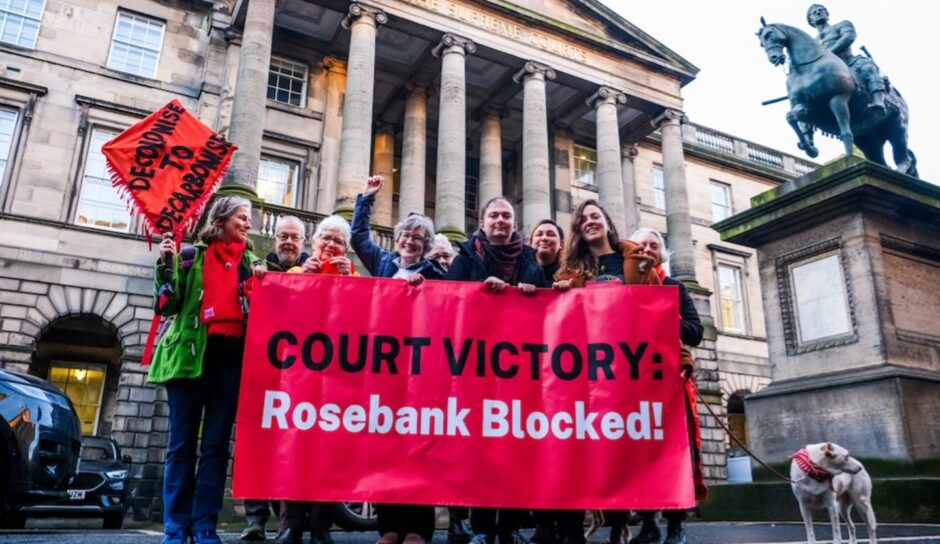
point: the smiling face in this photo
(236, 227)
(498, 222)
(651, 247)
(330, 243)
(593, 225)
(410, 244)
(547, 243)
(290, 240)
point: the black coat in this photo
(274, 263)
(691, 329)
(468, 266)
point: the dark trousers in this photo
(306, 515)
(193, 486)
(257, 511)
(406, 518)
(674, 518)
(495, 522)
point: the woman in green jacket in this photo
(199, 362)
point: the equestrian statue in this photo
(841, 94)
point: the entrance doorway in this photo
(81, 355)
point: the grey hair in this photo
(441, 241)
(417, 221)
(663, 252)
(285, 219)
(221, 210)
(334, 222)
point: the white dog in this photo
(824, 476)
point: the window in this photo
(585, 165)
(659, 188)
(287, 82)
(471, 187)
(721, 201)
(7, 126)
(84, 385)
(277, 181)
(99, 204)
(19, 21)
(731, 299)
(819, 298)
(136, 44)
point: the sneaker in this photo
(253, 533)
(206, 536)
(676, 536)
(648, 535)
(176, 537)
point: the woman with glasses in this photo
(330, 243)
(413, 239)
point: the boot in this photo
(675, 536)
(649, 534)
(878, 101)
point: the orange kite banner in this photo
(167, 167)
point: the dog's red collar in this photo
(811, 469)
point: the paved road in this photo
(699, 533)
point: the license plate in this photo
(76, 494)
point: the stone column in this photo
(356, 140)
(678, 220)
(414, 151)
(631, 213)
(491, 157)
(383, 164)
(609, 171)
(451, 137)
(251, 88)
(536, 188)
(332, 132)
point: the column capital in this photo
(333, 64)
(452, 43)
(420, 88)
(386, 128)
(630, 152)
(534, 69)
(358, 10)
(488, 109)
(669, 117)
(606, 95)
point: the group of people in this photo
(199, 357)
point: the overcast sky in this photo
(735, 76)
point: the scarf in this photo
(221, 307)
(500, 261)
(811, 469)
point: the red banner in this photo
(167, 166)
(363, 389)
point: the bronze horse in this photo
(824, 94)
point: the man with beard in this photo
(289, 235)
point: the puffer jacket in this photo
(379, 262)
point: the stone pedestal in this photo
(850, 268)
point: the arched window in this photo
(737, 420)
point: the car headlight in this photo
(116, 474)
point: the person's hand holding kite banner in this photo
(167, 167)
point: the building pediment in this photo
(595, 24)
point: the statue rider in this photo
(838, 38)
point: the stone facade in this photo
(64, 281)
(849, 260)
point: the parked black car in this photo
(99, 489)
(40, 438)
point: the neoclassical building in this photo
(548, 102)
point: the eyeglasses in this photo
(416, 238)
(292, 237)
(327, 239)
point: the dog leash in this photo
(735, 438)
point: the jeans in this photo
(192, 496)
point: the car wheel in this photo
(12, 519)
(114, 520)
(356, 516)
